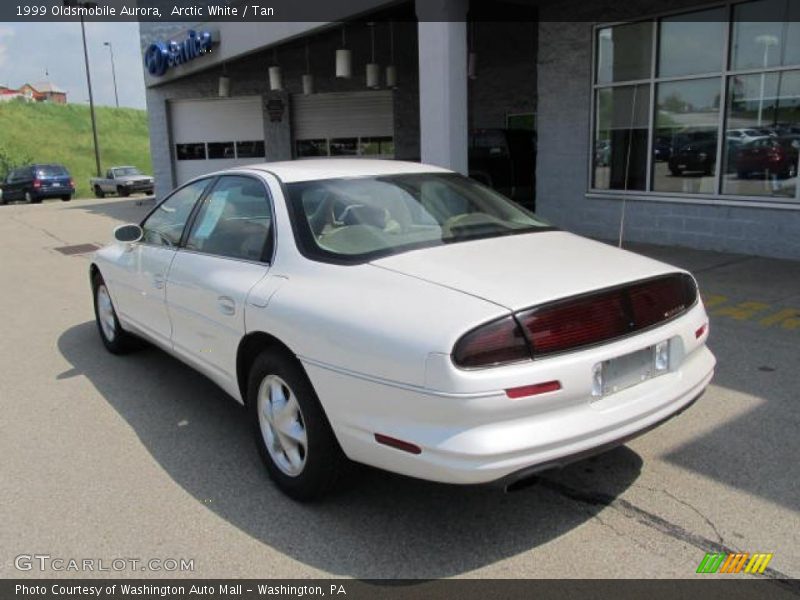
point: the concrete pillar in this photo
(443, 82)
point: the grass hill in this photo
(62, 133)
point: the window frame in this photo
(270, 246)
(717, 197)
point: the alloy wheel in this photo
(105, 313)
(282, 425)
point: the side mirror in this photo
(128, 234)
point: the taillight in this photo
(607, 315)
(495, 343)
(71, 183)
(578, 322)
(37, 183)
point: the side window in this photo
(165, 225)
(235, 220)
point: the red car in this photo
(768, 155)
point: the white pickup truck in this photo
(122, 181)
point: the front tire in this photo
(114, 338)
(122, 192)
(292, 433)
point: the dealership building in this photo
(682, 116)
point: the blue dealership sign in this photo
(162, 56)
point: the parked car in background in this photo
(313, 291)
(505, 160)
(695, 157)
(122, 181)
(34, 183)
(662, 148)
(768, 156)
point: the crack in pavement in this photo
(16, 219)
(661, 525)
(720, 538)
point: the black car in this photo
(698, 156)
(34, 183)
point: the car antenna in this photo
(627, 167)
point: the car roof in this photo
(337, 168)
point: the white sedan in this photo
(403, 316)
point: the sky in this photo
(29, 50)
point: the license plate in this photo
(681, 166)
(622, 372)
(56, 184)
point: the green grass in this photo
(62, 133)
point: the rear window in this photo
(51, 171)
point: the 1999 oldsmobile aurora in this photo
(403, 316)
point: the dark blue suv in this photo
(37, 182)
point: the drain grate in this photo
(77, 249)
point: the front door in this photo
(140, 281)
(225, 254)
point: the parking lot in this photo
(110, 457)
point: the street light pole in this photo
(84, 4)
(113, 71)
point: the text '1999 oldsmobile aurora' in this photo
(403, 316)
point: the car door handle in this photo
(226, 305)
(158, 281)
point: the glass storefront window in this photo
(254, 149)
(624, 52)
(309, 148)
(685, 140)
(763, 135)
(620, 145)
(691, 44)
(190, 151)
(766, 34)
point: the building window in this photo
(221, 150)
(190, 151)
(254, 149)
(700, 104)
(374, 147)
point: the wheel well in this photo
(94, 272)
(250, 347)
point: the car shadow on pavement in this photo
(378, 526)
(125, 210)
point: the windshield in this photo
(51, 171)
(125, 171)
(353, 220)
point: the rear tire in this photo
(114, 338)
(66, 198)
(98, 192)
(292, 433)
(31, 199)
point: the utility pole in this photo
(84, 4)
(113, 71)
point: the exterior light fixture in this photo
(391, 70)
(373, 68)
(472, 57)
(308, 78)
(224, 84)
(344, 59)
(275, 77)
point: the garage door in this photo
(213, 134)
(343, 124)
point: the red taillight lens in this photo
(606, 315)
(71, 183)
(492, 344)
(534, 390)
(37, 183)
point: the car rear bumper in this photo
(471, 438)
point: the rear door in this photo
(139, 282)
(226, 252)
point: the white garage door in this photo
(343, 124)
(213, 134)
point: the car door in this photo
(138, 285)
(10, 191)
(226, 252)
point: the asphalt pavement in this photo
(139, 457)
